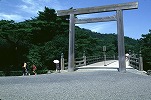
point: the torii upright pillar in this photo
(121, 47)
(71, 43)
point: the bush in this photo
(149, 72)
(20, 73)
(42, 71)
(2, 73)
(16, 73)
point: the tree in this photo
(54, 48)
(35, 56)
(16, 36)
(48, 25)
(48, 15)
(145, 42)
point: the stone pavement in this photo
(78, 85)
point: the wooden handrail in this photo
(83, 61)
(136, 62)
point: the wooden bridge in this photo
(110, 66)
(104, 62)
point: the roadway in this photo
(78, 85)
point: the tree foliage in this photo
(145, 43)
(42, 39)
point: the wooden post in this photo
(84, 58)
(71, 58)
(140, 62)
(129, 58)
(104, 59)
(114, 57)
(62, 62)
(121, 48)
(104, 49)
(136, 61)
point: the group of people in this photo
(25, 69)
(34, 68)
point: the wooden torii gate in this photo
(120, 29)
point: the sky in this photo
(136, 22)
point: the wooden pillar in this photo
(104, 50)
(71, 43)
(140, 62)
(114, 57)
(62, 61)
(121, 47)
(105, 59)
(84, 59)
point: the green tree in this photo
(14, 36)
(47, 25)
(54, 48)
(145, 42)
(35, 56)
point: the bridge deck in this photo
(111, 65)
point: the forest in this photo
(43, 38)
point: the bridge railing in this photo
(136, 61)
(95, 59)
(78, 62)
(83, 61)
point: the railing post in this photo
(62, 61)
(129, 58)
(140, 62)
(104, 59)
(136, 67)
(104, 50)
(114, 57)
(84, 58)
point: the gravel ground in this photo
(95, 85)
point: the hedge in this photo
(20, 73)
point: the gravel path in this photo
(94, 85)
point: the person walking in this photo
(57, 66)
(24, 69)
(34, 69)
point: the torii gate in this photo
(120, 29)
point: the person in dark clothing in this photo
(34, 69)
(24, 69)
(58, 67)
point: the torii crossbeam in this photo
(93, 20)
